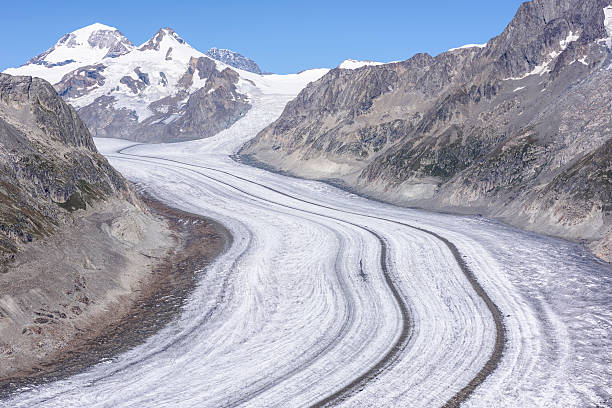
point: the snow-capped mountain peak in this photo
(163, 90)
(163, 35)
(94, 42)
(167, 45)
(79, 48)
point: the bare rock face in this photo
(75, 243)
(49, 166)
(234, 59)
(518, 129)
(73, 86)
(210, 109)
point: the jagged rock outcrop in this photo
(518, 129)
(49, 165)
(234, 59)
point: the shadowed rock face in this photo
(518, 130)
(49, 166)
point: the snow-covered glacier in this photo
(327, 298)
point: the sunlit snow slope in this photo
(329, 298)
(85, 46)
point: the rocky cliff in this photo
(518, 129)
(49, 166)
(75, 242)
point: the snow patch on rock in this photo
(608, 25)
(469, 46)
(354, 64)
(545, 66)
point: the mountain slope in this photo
(76, 245)
(489, 129)
(49, 163)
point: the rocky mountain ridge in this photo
(234, 59)
(518, 129)
(50, 166)
(76, 244)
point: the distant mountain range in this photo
(519, 128)
(163, 90)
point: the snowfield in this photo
(355, 64)
(328, 298)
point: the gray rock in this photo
(78, 82)
(234, 59)
(49, 166)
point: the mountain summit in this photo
(81, 47)
(234, 59)
(166, 36)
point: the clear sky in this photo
(281, 36)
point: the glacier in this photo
(300, 306)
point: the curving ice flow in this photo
(321, 288)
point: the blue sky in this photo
(281, 36)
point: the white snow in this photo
(518, 88)
(354, 64)
(469, 46)
(545, 66)
(608, 25)
(571, 37)
(76, 48)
